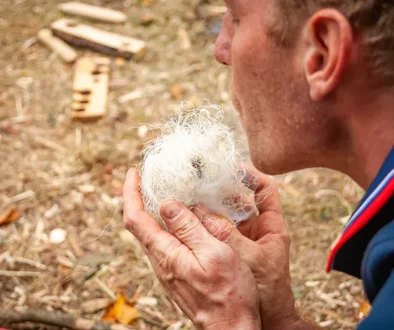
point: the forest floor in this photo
(57, 174)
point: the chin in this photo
(271, 162)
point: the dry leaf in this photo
(146, 3)
(122, 311)
(363, 311)
(176, 91)
(9, 216)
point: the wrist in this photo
(240, 323)
(294, 323)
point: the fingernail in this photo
(213, 228)
(171, 211)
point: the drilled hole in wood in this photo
(84, 101)
(72, 24)
(85, 92)
(79, 109)
(96, 72)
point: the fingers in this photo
(226, 231)
(156, 240)
(266, 191)
(219, 227)
(186, 227)
(267, 199)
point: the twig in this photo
(19, 273)
(57, 319)
(150, 321)
(22, 196)
(30, 262)
(49, 144)
(105, 289)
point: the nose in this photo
(223, 43)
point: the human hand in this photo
(263, 242)
(204, 276)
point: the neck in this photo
(371, 139)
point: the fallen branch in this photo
(56, 319)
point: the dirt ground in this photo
(61, 174)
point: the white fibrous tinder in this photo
(194, 161)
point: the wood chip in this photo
(184, 39)
(212, 11)
(95, 305)
(57, 236)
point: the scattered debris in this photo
(95, 305)
(8, 317)
(142, 131)
(142, 92)
(93, 12)
(122, 311)
(95, 260)
(363, 311)
(184, 39)
(67, 53)
(147, 301)
(211, 11)
(176, 91)
(147, 17)
(102, 41)
(9, 216)
(57, 236)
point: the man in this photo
(313, 82)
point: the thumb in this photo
(226, 231)
(184, 224)
(221, 228)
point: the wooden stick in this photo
(93, 12)
(67, 53)
(30, 262)
(109, 43)
(9, 317)
(19, 273)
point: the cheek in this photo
(250, 56)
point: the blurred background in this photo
(62, 243)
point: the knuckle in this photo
(167, 266)
(128, 223)
(186, 226)
(130, 219)
(286, 238)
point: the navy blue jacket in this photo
(366, 249)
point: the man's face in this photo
(285, 129)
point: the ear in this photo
(329, 38)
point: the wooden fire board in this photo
(90, 89)
(102, 41)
